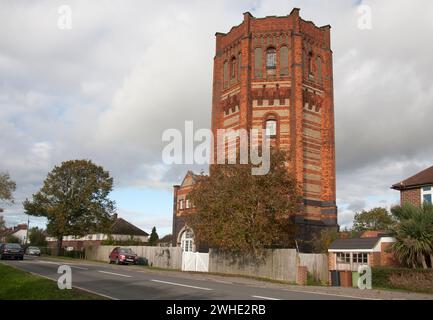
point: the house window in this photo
(343, 257)
(271, 128)
(360, 258)
(427, 195)
(187, 204)
(187, 240)
(181, 205)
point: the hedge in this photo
(416, 280)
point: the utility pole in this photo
(28, 227)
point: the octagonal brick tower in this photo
(275, 73)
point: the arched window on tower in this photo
(271, 128)
(271, 58)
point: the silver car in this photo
(33, 251)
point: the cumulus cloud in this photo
(125, 72)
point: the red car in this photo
(121, 255)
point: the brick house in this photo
(371, 249)
(417, 189)
(275, 75)
(182, 207)
(121, 230)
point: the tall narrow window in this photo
(233, 68)
(258, 62)
(226, 74)
(271, 128)
(319, 69)
(239, 66)
(427, 195)
(310, 65)
(284, 61)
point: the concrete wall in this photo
(161, 257)
(278, 264)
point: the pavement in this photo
(123, 282)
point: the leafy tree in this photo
(414, 235)
(323, 240)
(7, 187)
(74, 199)
(37, 237)
(153, 239)
(374, 219)
(2, 224)
(243, 213)
(12, 239)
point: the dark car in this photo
(121, 255)
(11, 251)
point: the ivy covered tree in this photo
(74, 199)
(243, 213)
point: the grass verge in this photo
(20, 285)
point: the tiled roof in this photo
(422, 178)
(354, 244)
(123, 227)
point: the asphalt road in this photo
(133, 283)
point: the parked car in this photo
(12, 251)
(121, 255)
(33, 251)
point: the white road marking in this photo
(49, 262)
(81, 268)
(222, 281)
(115, 274)
(265, 298)
(332, 294)
(182, 285)
(59, 264)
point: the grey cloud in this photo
(108, 88)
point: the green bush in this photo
(417, 280)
